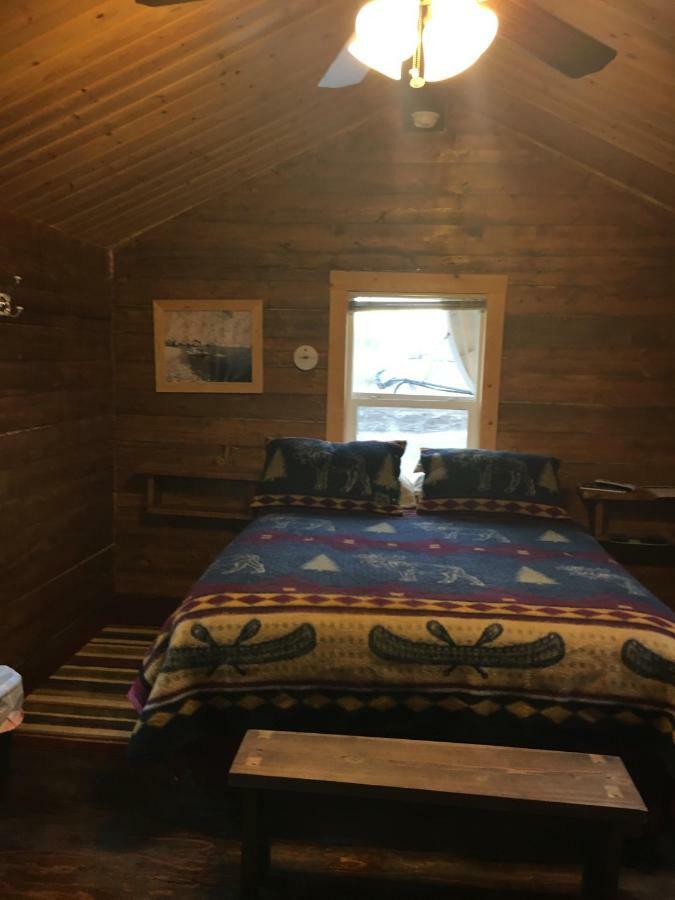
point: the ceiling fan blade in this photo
(162, 2)
(551, 40)
(344, 71)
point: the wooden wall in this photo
(589, 345)
(55, 445)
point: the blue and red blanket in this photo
(505, 628)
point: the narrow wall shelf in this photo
(176, 492)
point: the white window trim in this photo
(342, 404)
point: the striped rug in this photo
(85, 700)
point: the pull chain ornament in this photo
(417, 80)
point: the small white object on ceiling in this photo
(425, 118)
(305, 357)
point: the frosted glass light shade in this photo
(386, 35)
(456, 34)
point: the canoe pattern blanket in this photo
(372, 623)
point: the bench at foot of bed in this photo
(577, 786)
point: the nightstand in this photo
(637, 528)
(601, 503)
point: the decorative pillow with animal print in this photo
(358, 475)
(490, 481)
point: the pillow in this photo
(490, 481)
(355, 476)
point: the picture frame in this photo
(208, 346)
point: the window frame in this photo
(344, 285)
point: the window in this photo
(414, 373)
(415, 357)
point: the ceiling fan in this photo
(535, 30)
(452, 34)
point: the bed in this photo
(503, 629)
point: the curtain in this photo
(463, 337)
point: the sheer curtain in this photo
(463, 337)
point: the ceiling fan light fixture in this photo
(456, 34)
(385, 35)
(443, 37)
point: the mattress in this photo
(505, 629)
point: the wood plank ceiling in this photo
(116, 116)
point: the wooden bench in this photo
(574, 785)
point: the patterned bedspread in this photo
(500, 628)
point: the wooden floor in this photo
(82, 824)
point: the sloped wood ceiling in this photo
(116, 116)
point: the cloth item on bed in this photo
(353, 476)
(510, 629)
(410, 490)
(490, 481)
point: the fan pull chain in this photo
(417, 79)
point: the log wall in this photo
(55, 445)
(589, 343)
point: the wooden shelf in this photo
(215, 473)
(153, 493)
(656, 494)
(640, 553)
(194, 513)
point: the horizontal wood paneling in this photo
(589, 344)
(55, 445)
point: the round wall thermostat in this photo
(305, 357)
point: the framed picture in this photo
(208, 346)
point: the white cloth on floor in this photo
(11, 699)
